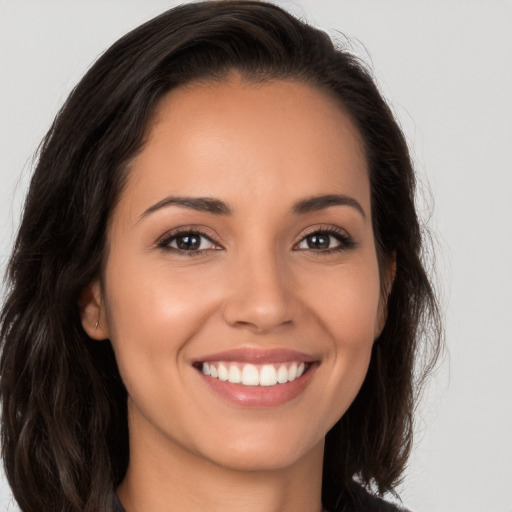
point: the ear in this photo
(387, 279)
(92, 311)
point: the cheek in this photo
(152, 315)
(348, 311)
(154, 298)
(347, 303)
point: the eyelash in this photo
(167, 239)
(345, 241)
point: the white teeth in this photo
(250, 375)
(253, 375)
(223, 372)
(292, 372)
(235, 375)
(268, 375)
(282, 374)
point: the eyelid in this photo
(345, 239)
(163, 241)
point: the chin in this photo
(256, 461)
(266, 451)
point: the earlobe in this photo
(92, 313)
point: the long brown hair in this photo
(64, 426)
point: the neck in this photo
(164, 477)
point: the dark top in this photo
(361, 501)
(117, 506)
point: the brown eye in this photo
(188, 242)
(325, 241)
(319, 241)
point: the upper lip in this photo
(257, 356)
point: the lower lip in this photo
(259, 396)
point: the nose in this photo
(261, 296)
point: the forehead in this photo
(243, 139)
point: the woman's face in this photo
(242, 249)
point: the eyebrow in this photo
(202, 204)
(218, 207)
(316, 203)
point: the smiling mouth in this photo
(248, 374)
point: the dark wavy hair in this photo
(64, 422)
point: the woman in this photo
(217, 292)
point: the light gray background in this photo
(446, 67)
